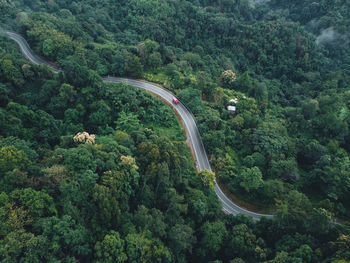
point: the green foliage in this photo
(14, 244)
(152, 220)
(192, 99)
(270, 139)
(251, 178)
(293, 209)
(310, 109)
(38, 203)
(11, 158)
(111, 249)
(127, 122)
(138, 247)
(243, 243)
(79, 158)
(20, 145)
(66, 237)
(181, 240)
(213, 236)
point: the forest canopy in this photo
(97, 172)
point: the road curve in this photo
(188, 119)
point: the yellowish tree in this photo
(84, 137)
(208, 178)
(227, 78)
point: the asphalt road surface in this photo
(188, 120)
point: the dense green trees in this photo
(133, 195)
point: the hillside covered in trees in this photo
(96, 172)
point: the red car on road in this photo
(175, 100)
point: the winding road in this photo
(188, 120)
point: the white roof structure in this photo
(235, 100)
(231, 108)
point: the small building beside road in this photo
(231, 109)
